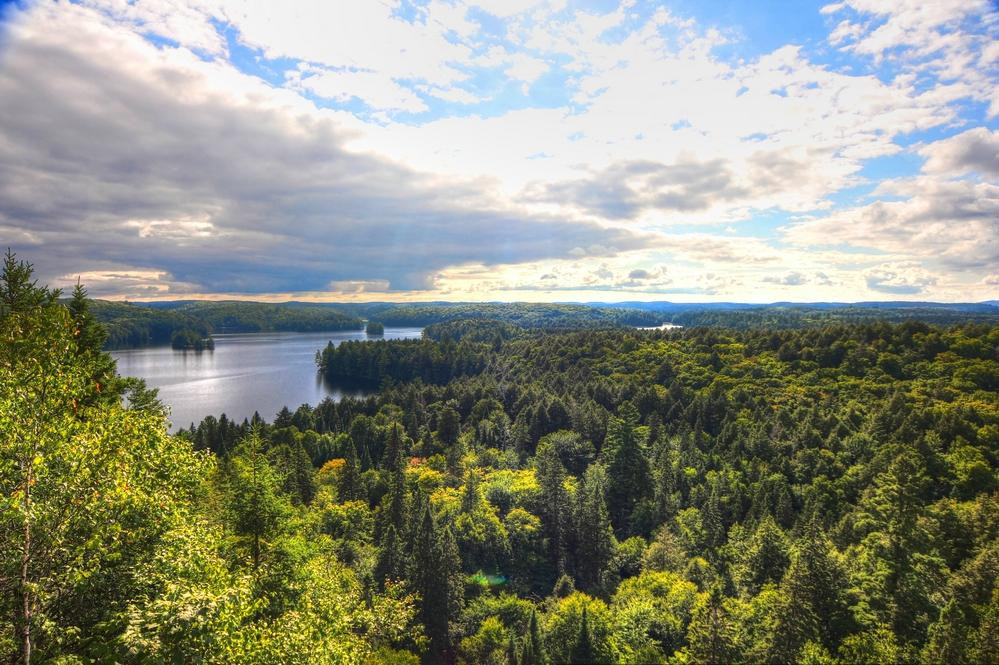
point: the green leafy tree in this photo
(88, 490)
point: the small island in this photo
(191, 340)
(375, 328)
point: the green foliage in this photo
(569, 638)
(820, 494)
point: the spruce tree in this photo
(595, 537)
(555, 508)
(711, 633)
(392, 562)
(583, 650)
(90, 338)
(350, 477)
(816, 604)
(627, 468)
(394, 503)
(511, 652)
(439, 581)
(533, 650)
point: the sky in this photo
(513, 150)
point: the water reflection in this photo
(244, 374)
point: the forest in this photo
(133, 325)
(820, 493)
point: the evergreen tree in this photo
(816, 604)
(555, 508)
(595, 543)
(764, 558)
(258, 508)
(533, 650)
(90, 338)
(448, 426)
(511, 651)
(438, 580)
(901, 568)
(394, 506)
(392, 562)
(627, 468)
(18, 291)
(350, 477)
(711, 633)
(583, 650)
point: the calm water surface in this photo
(245, 373)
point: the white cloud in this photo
(953, 223)
(899, 278)
(373, 89)
(656, 131)
(975, 150)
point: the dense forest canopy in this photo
(700, 495)
(825, 494)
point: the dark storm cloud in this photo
(116, 155)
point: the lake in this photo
(245, 373)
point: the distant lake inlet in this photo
(245, 373)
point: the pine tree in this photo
(438, 580)
(583, 650)
(555, 508)
(533, 651)
(627, 467)
(18, 292)
(763, 559)
(711, 633)
(394, 503)
(392, 562)
(259, 510)
(595, 537)
(903, 568)
(511, 652)
(350, 476)
(816, 605)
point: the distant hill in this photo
(797, 315)
(132, 325)
(138, 324)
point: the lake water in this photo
(259, 372)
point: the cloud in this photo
(899, 279)
(157, 160)
(790, 279)
(795, 278)
(463, 146)
(975, 150)
(627, 188)
(954, 223)
(952, 42)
